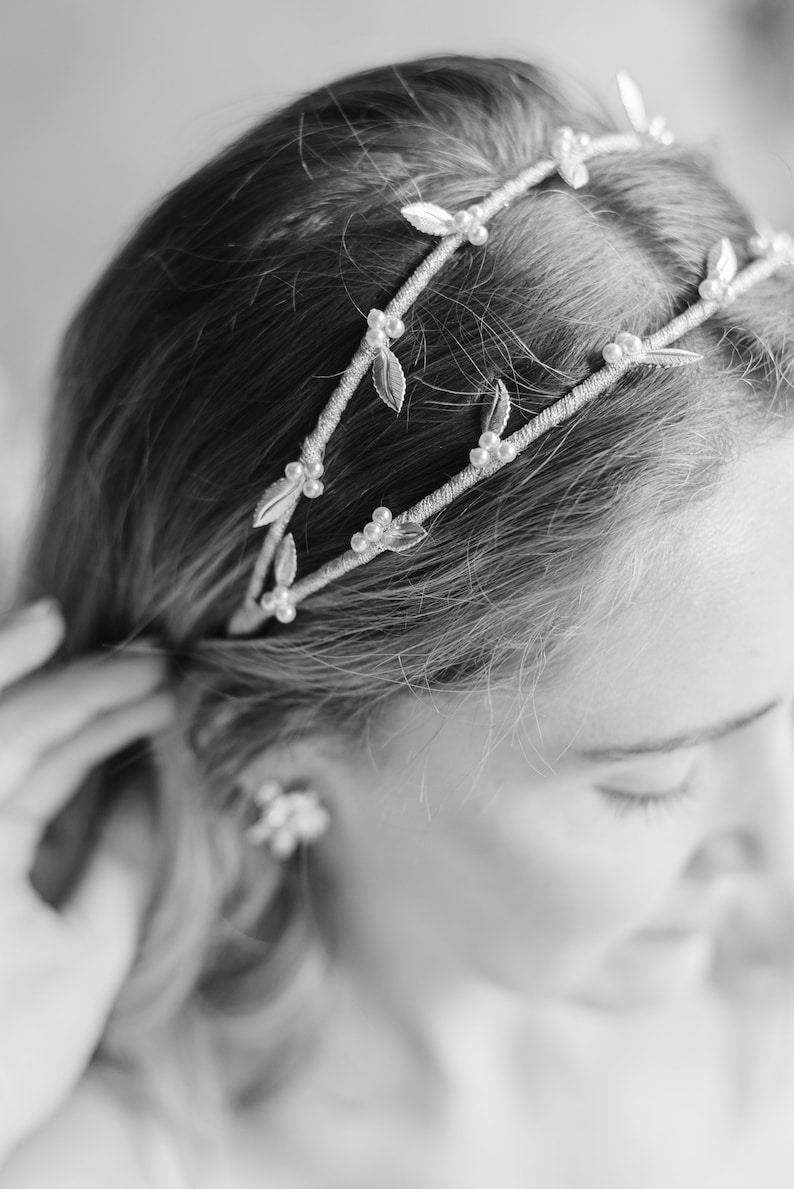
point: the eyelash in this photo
(622, 803)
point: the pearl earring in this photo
(287, 820)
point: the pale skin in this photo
(60, 971)
(522, 996)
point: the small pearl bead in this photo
(285, 614)
(728, 295)
(562, 143)
(267, 602)
(282, 845)
(314, 469)
(280, 595)
(757, 245)
(462, 221)
(376, 319)
(394, 327)
(313, 488)
(506, 452)
(476, 213)
(478, 235)
(631, 343)
(373, 531)
(267, 792)
(478, 457)
(612, 353)
(294, 470)
(710, 290)
(488, 440)
(582, 141)
(382, 516)
(359, 543)
(376, 338)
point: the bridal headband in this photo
(274, 590)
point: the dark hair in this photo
(205, 352)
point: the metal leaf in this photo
(764, 234)
(574, 172)
(280, 497)
(389, 379)
(403, 535)
(427, 217)
(667, 357)
(286, 564)
(496, 413)
(633, 102)
(722, 264)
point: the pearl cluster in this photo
(767, 240)
(491, 446)
(658, 131)
(278, 602)
(309, 474)
(624, 344)
(287, 820)
(566, 143)
(713, 289)
(382, 328)
(469, 222)
(372, 531)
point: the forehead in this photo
(708, 636)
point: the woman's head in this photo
(206, 351)
(208, 348)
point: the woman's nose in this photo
(723, 855)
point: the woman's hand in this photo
(60, 971)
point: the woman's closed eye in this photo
(660, 801)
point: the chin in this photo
(645, 973)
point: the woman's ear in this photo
(302, 791)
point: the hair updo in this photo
(203, 357)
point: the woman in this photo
(473, 861)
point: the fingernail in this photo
(35, 612)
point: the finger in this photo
(27, 639)
(24, 818)
(105, 912)
(46, 710)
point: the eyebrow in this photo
(676, 742)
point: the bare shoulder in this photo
(89, 1144)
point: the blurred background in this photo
(105, 103)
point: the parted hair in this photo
(204, 355)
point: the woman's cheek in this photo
(577, 868)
